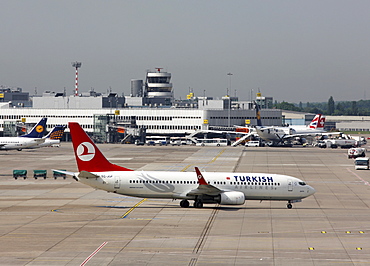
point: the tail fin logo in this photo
(39, 129)
(85, 151)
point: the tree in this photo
(331, 105)
(287, 106)
(354, 109)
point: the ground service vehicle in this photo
(356, 152)
(362, 163)
(211, 142)
(252, 143)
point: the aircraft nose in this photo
(311, 190)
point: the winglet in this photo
(200, 177)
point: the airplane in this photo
(279, 135)
(52, 138)
(208, 187)
(33, 138)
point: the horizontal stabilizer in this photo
(86, 174)
(73, 174)
(64, 172)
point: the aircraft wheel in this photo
(184, 204)
(289, 205)
(198, 204)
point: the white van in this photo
(362, 163)
(253, 143)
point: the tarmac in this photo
(63, 222)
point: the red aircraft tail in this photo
(88, 156)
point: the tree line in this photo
(361, 107)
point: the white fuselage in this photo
(18, 143)
(47, 143)
(281, 133)
(307, 130)
(177, 185)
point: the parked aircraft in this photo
(279, 135)
(34, 137)
(208, 187)
(52, 138)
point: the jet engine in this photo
(231, 198)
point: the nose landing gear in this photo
(289, 204)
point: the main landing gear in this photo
(289, 205)
(198, 204)
(186, 204)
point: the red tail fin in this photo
(321, 122)
(315, 121)
(88, 156)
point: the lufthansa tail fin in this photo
(258, 114)
(56, 133)
(88, 156)
(38, 130)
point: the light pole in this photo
(229, 105)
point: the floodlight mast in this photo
(76, 65)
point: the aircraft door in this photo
(290, 185)
(117, 182)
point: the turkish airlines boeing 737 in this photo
(210, 187)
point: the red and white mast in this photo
(76, 65)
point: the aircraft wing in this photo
(286, 137)
(204, 187)
(313, 134)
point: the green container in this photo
(39, 173)
(20, 173)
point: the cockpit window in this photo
(302, 183)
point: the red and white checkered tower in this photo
(76, 65)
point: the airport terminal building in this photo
(156, 121)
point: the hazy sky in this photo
(291, 50)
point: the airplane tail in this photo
(317, 122)
(258, 114)
(56, 133)
(88, 156)
(38, 130)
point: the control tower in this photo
(157, 85)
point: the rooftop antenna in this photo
(76, 65)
